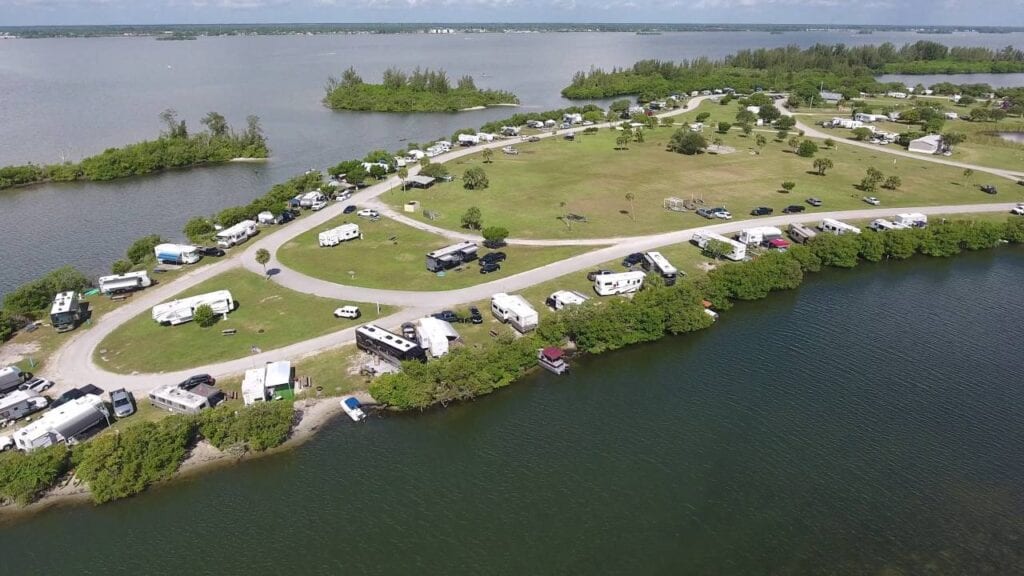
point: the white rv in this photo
(914, 219)
(881, 225)
(336, 236)
(758, 234)
(181, 311)
(121, 283)
(563, 298)
(236, 234)
(62, 423)
(655, 262)
(21, 403)
(174, 398)
(66, 311)
(735, 250)
(177, 254)
(620, 283)
(515, 310)
(836, 227)
(800, 233)
(309, 198)
(10, 378)
(265, 217)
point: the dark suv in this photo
(988, 189)
(794, 209)
(73, 394)
(447, 316)
(474, 315)
(211, 251)
(761, 211)
(488, 267)
(492, 258)
(633, 259)
(197, 379)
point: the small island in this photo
(175, 148)
(419, 91)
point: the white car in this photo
(318, 205)
(1018, 209)
(723, 214)
(36, 385)
(368, 213)
(6, 443)
(347, 312)
(872, 200)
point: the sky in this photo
(902, 12)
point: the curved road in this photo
(72, 364)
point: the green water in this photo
(870, 423)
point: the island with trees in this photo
(419, 91)
(174, 148)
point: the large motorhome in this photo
(21, 403)
(122, 283)
(836, 227)
(655, 262)
(451, 256)
(236, 234)
(758, 234)
(733, 250)
(181, 311)
(387, 345)
(915, 219)
(309, 198)
(619, 283)
(66, 311)
(515, 310)
(177, 254)
(10, 378)
(336, 236)
(62, 424)
(800, 233)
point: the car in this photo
(1018, 209)
(121, 400)
(447, 316)
(989, 189)
(793, 209)
(342, 196)
(409, 331)
(368, 213)
(705, 212)
(197, 379)
(347, 312)
(814, 201)
(872, 200)
(349, 209)
(488, 267)
(474, 315)
(211, 251)
(284, 217)
(632, 259)
(721, 213)
(492, 258)
(533, 139)
(318, 205)
(6, 443)
(73, 394)
(36, 385)
(761, 211)
(594, 274)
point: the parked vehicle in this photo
(11, 377)
(721, 213)
(73, 394)
(515, 310)
(594, 274)
(197, 379)
(66, 311)
(800, 233)
(562, 298)
(318, 206)
(123, 283)
(881, 224)
(487, 268)
(19, 404)
(409, 331)
(351, 312)
(474, 315)
(176, 254)
(836, 227)
(632, 259)
(706, 213)
(349, 209)
(63, 423)
(658, 264)
(989, 189)
(336, 236)
(911, 220)
(284, 217)
(620, 283)
(793, 209)
(492, 258)
(761, 211)
(368, 213)
(735, 250)
(447, 315)
(352, 407)
(758, 234)
(6, 443)
(37, 385)
(211, 251)
(814, 201)
(180, 311)
(1018, 209)
(237, 234)
(872, 200)
(121, 400)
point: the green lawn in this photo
(392, 255)
(268, 316)
(548, 179)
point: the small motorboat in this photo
(552, 359)
(352, 408)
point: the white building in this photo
(930, 144)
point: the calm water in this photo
(870, 421)
(69, 98)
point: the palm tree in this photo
(632, 211)
(262, 257)
(403, 173)
(487, 154)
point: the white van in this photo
(350, 312)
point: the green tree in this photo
(638, 136)
(142, 249)
(703, 116)
(862, 133)
(745, 116)
(872, 179)
(807, 149)
(724, 127)
(821, 165)
(488, 155)
(475, 179)
(198, 229)
(794, 143)
(622, 141)
(747, 129)
(494, 235)
(781, 135)
(472, 219)
(120, 266)
(893, 182)
(204, 316)
(788, 185)
(686, 142)
(215, 123)
(953, 138)
(403, 173)
(760, 141)
(262, 257)
(830, 143)
(839, 251)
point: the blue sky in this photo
(924, 12)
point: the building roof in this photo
(826, 95)
(553, 353)
(420, 180)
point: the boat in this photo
(352, 407)
(552, 359)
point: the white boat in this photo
(552, 359)
(352, 408)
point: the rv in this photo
(655, 262)
(563, 298)
(881, 224)
(800, 233)
(336, 236)
(11, 377)
(733, 250)
(236, 234)
(620, 283)
(836, 227)
(309, 198)
(122, 283)
(759, 234)
(174, 398)
(181, 311)
(451, 256)
(66, 311)
(515, 310)
(21, 403)
(389, 346)
(259, 384)
(266, 217)
(63, 423)
(177, 254)
(914, 219)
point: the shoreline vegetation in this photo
(174, 148)
(423, 90)
(848, 70)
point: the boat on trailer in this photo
(552, 359)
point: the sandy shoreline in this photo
(249, 160)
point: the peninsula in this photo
(419, 91)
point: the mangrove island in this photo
(420, 91)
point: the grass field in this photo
(548, 179)
(391, 255)
(267, 317)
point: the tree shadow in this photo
(273, 272)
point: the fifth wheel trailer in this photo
(181, 311)
(63, 423)
(515, 310)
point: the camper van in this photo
(836, 227)
(66, 311)
(236, 234)
(619, 283)
(177, 254)
(758, 235)
(122, 283)
(563, 298)
(800, 233)
(735, 251)
(655, 262)
(181, 311)
(515, 310)
(913, 219)
(336, 236)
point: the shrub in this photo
(839, 251)
(475, 179)
(495, 235)
(36, 296)
(724, 127)
(120, 266)
(472, 219)
(807, 149)
(259, 427)
(684, 141)
(24, 477)
(434, 170)
(198, 229)
(142, 249)
(788, 185)
(204, 316)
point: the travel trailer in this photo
(122, 283)
(62, 424)
(758, 234)
(915, 219)
(177, 254)
(733, 250)
(619, 283)
(21, 403)
(451, 256)
(515, 310)
(387, 345)
(800, 233)
(181, 311)
(836, 227)
(336, 236)
(655, 262)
